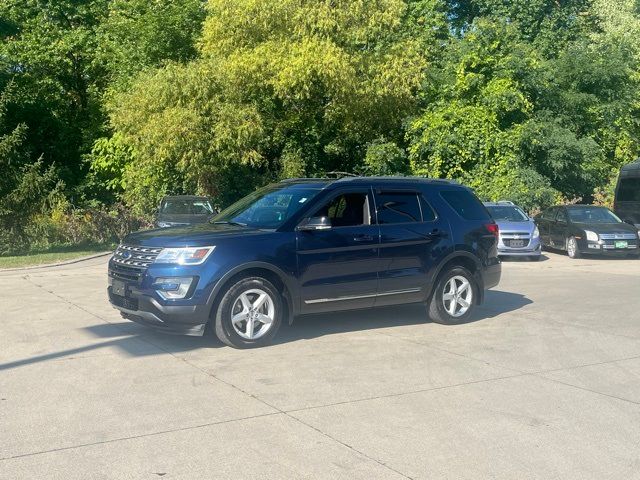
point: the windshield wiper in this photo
(227, 222)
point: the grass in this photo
(53, 255)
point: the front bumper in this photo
(146, 310)
(532, 249)
(606, 248)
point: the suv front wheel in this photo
(453, 299)
(249, 313)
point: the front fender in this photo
(291, 294)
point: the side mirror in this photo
(315, 223)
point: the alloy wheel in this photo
(457, 296)
(253, 314)
(572, 247)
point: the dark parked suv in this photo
(307, 246)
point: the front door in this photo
(338, 267)
(411, 238)
(558, 229)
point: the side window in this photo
(428, 213)
(562, 216)
(466, 204)
(629, 190)
(398, 207)
(347, 210)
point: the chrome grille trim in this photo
(618, 236)
(138, 258)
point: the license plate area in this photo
(119, 288)
(516, 243)
(620, 244)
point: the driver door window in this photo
(347, 210)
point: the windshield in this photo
(182, 206)
(268, 207)
(507, 213)
(592, 215)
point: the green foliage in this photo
(281, 88)
(140, 34)
(515, 116)
(128, 100)
(24, 187)
(385, 158)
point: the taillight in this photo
(493, 229)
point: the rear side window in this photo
(398, 207)
(629, 190)
(466, 204)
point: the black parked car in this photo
(183, 210)
(585, 229)
(309, 246)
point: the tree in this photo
(280, 88)
(24, 187)
(500, 107)
(63, 55)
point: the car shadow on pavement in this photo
(516, 259)
(319, 325)
(139, 341)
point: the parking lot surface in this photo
(542, 383)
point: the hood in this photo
(187, 219)
(607, 227)
(189, 235)
(524, 226)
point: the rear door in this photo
(338, 267)
(410, 231)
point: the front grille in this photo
(135, 257)
(514, 243)
(515, 237)
(618, 236)
(130, 262)
(124, 302)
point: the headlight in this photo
(184, 256)
(172, 287)
(163, 224)
(536, 232)
(591, 236)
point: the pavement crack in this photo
(143, 435)
(402, 394)
(350, 447)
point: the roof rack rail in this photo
(304, 179)
(342, 174)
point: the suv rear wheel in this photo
(452, 300)
(249, 314)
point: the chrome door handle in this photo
(363, 238)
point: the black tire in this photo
(573, 253)
(436, 308)
(224, 328)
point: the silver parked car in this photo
(519, 235)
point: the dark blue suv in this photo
(308, 246)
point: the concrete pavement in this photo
(543, 383)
